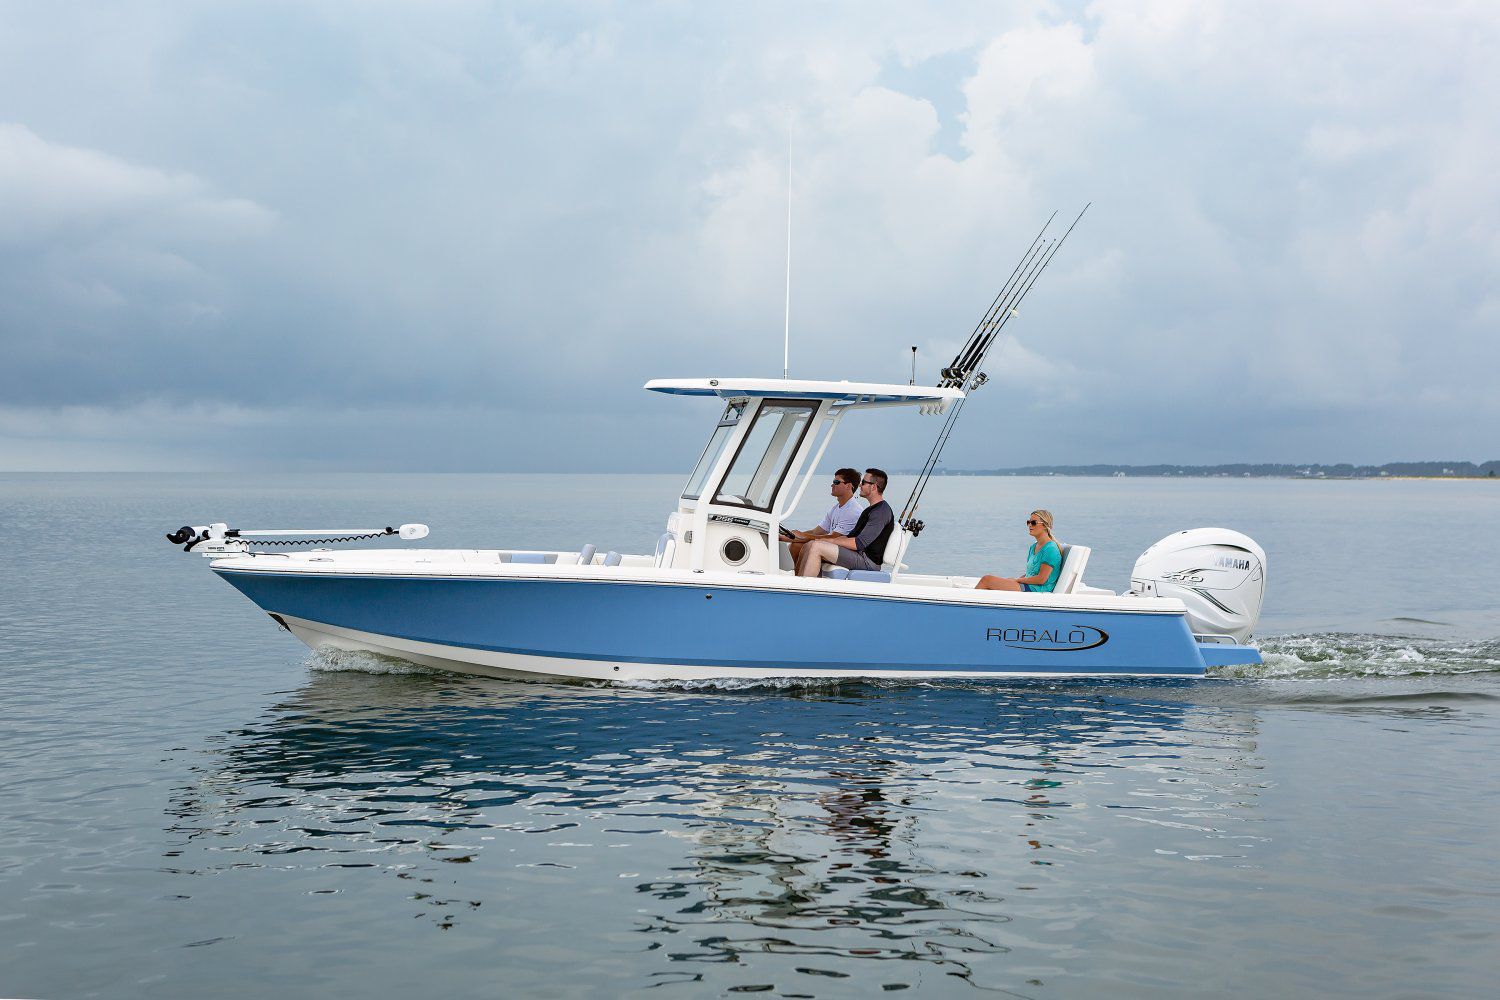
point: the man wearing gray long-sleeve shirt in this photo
(864, 548)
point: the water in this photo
(195, 805)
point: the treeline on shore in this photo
(1344, 470)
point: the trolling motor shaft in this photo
(220, 539)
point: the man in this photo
(864, 547)
(839, 520)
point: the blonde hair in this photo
(1045, 516)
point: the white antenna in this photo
(786, 343)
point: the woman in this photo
(1043, 560)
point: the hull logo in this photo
(1072, 639)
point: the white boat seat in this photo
(612, 559)
(895, 548)
(869, 576)
(586, 555)
(834, 572)
(1070, 573)
(666, 547)
(528, 557)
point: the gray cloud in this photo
(418, 235)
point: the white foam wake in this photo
(1348, 654)
(332, 660)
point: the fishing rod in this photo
(964, 374)
(965, 370)
(965, 353)
(969, 360)
(972, 356)
(996, 332)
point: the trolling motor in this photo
(220, 539)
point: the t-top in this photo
(873, 530)
(1052, 556)
(841, 518)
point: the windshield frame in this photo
(733, 413)
(811, 407)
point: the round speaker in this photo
(735, 551)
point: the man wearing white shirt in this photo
(839, 520)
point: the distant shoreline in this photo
(1391, 470)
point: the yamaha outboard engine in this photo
(1219, 574)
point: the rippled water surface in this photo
(194, 805)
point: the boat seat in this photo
(834, 572)
(612, 559)
(895, 548)
(528, 557)
(1070, 573)
(869, 576)
(586, 555)
(666, 548)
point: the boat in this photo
(718, 598)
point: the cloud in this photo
(109, 268)
(478, 210)
(1024, 77)
(50, 191)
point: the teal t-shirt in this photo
(1052, 556)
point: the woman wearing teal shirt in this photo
(1043, 560)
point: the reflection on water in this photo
(740, 839)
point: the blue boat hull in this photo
(578, 628)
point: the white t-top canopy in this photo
(843, 393)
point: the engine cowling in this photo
(1219, 574)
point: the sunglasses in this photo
(867, 482)
(1032, 522)
(840, 482)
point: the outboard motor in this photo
(1219, 574)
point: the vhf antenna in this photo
(786, 343)
(965, 371)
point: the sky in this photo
(453, 235)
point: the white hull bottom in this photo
(518, 666)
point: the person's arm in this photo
(845, 528)
(1047, 568)
(823, 530)
(873, 527)
(1042, 576)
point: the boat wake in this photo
(330, 660)
(1350, 654)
